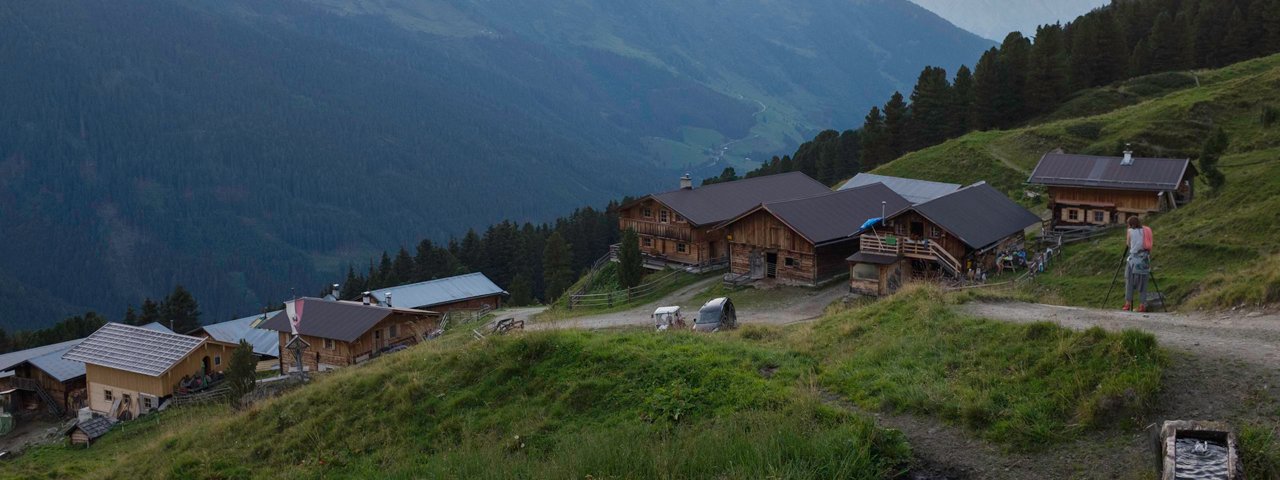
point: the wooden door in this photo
(378, 341)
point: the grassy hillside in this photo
(756, 403)
(1219, 251)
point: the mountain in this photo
(250, 150)
(994, 19)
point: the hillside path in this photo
(1250, 337)
(794, 309)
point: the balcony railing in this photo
(923, 249)
(681, 232)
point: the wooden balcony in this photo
(906, 247)
(673, 231)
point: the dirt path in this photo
(1252, 338)
(790, 309)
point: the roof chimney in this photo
(366, 296)
(1128, 156)
(388, 299)
(686, 182)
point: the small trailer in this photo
(665, 318)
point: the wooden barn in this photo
(341, 333)
(473, 291)
(130, 370)
(1087, 190)
(805, 241)
(678, 226)
(949, 235)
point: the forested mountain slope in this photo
(1219, 251)
(246, 148)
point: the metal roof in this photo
(662, 310)
(915, 191)
(133, 349)
(1153, 174)
(341, 320)
(265, 342)
(978, 215)
(12, 359)
(57, 367)
(157, 327)
(836, 215)
(718, 202)
(439, 291)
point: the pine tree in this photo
(352, 286)
(150, 312)
(555, 266)
(1014, 58)
(875, 147)
(1047, 71)
(630, 262)
(402, 268)
(1267, 14)
(1210, 153)
(471, 252)
(180, 310)
(1083, 49)
(931, 102)
(1165, 51)
(521, 290)
(386, 278)
(986, 89)
(961, 102)
(895, 125)
(241, 373)
(1238, 43)
(131, 316)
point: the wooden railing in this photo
(923, 249)
(680, 232)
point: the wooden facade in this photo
(762, 246)
(69, 395)
(921, 250)
(665, 234)
(1100, 206)
(327, 354)
(138, 393)
(878, 279)
(490, 301)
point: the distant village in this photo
(874, 232)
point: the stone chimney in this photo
(1128, 156)
(686, 182)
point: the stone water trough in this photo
(1199, 450)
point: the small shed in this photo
(88, 431)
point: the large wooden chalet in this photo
(1089, 190)
(805, 241)
(948, 235)
(679, 226)
(342, 333)
(131, 370)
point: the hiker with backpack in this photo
(1137, 268)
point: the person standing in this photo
(1137, 268)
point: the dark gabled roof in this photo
(835, 215)
(440, 291)
(1153, 174)
(343, 321)
(718, 202)
(978, 215)
(915, 191)
(93, 428)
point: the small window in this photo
(395, 332)
(646, 241)
(108, 395)
(1101, 216)
(935, 232)
(682, 248)
(1073, 214)
(646, 212)
(662, 216)
(377, 334)
(791, 262)
(217, 359)
(146, 403)
(328, 344)
(900, 229)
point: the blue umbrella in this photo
(871, 222)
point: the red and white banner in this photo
(293, 309)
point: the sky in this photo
(994, 19)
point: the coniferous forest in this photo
(1025, 78)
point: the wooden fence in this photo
(614, 297)
(215, 394)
